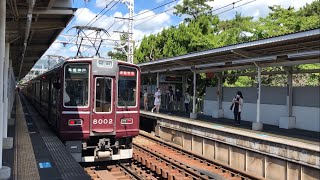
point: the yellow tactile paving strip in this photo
(25, 164)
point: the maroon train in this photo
(93, 104)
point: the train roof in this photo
(80, 59)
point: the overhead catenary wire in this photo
(97, 17)
(155, 8)
(151, 17)
(100, 12)
(233, 3)
(92, 21)
(236, 7)
(159, 12)
(150, 10)
(111, 35)
(104, 13)
(73, 19)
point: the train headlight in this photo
(126, 121)
(75, 122)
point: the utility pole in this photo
(130, 6)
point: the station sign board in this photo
(170, 79)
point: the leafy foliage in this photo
(193, 9)
(202, 30)
(119, 53)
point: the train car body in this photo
(92, 104)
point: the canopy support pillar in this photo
(5, 91)
(5, 172)
(219, 113)
(288, 122)
(2, 58)
(193, 115)
(158, 80)
(258, 126)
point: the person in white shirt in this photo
(145, 99)
(157, 101)
(186, 102)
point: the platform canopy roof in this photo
(285, 50)
(31, 27)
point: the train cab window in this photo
(103, 95)
(76, 85)
(127, 86)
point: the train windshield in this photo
(76, 85)
(127, 86)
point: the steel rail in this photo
(170, 162)
(177, 148)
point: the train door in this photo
(103, 110)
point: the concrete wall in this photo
(306, 96)
(306, 105)
(267, 157)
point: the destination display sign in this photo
(105, 64)
(77, 70)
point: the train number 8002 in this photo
(102, 121)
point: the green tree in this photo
(193, 9)
(119, 52)
(204, 30)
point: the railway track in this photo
(156, 159)
(172, 162)
(121, 171)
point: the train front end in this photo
(102, 128)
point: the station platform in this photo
(38, 153)
(299, 135)
(272, 153)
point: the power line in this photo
(233, 3)
(74, 18)
(155, 8)
(105, 12)
(150, 10)
(111, 36)
(212, 10)
(236, 7)
(151, 17)
(91, 20)
(158, 13)
(100, 12)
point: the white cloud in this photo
(150, 22)
(255, 9)
(102, 3)
(83, 16)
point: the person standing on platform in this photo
(145, 99)
(186, 102)
(178, 99)
(236, 107)
(157, 101)
(170, 99)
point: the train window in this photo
(76, 85)
(103, 95)
(127, 86)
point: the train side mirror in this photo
(56, 85)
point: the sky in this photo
(148, 22)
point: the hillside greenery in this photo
(203, 30)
